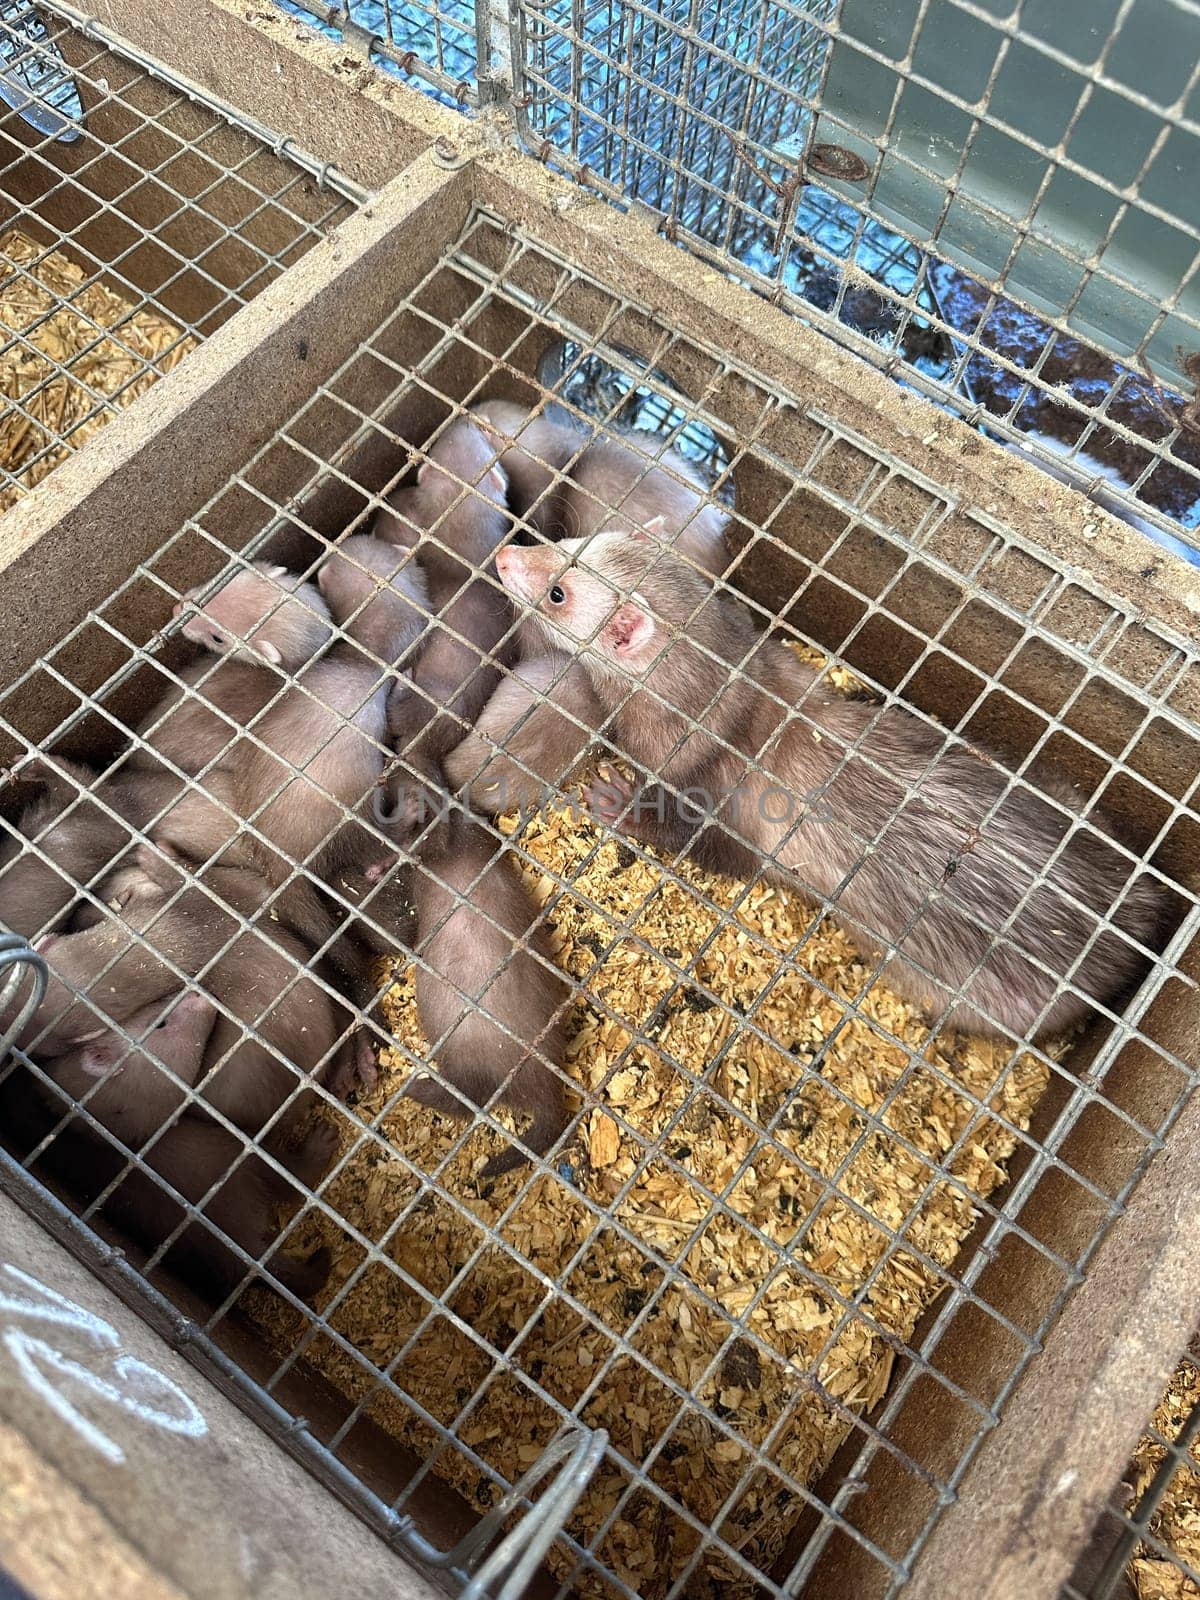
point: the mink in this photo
(987, 897)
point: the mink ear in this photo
(424, 470)
(650, 532)
(270, 652)
(497, 472)
(629, 631)
(95, 1060)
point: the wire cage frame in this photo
(990, 201)
(931, 606)
(139, 214)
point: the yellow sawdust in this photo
(1176, 1522)
(60, 378)
(808, 1268)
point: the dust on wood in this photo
(74, 353)
(826, 1247)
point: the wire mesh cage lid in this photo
(756, 1112)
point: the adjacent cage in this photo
(795, 1250)
(991, 201)
(138, 214)
(995, 198)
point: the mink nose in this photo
(502, 558)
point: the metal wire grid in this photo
(207, 203)
(665, 102)
(612, 108)
(1126, 1533)
(497, 265)
(439, 45)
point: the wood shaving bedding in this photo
(812, 1272)
(1176, 1521)
(81, 378)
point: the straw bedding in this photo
(1176, 1522)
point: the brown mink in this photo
(490, 999)
(276, 1026)
(131, 1095)
(530, 739)
(318, 728)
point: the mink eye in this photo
(217, 639)
(557, 595)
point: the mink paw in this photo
(608, 798)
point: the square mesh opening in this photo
(794, 1250)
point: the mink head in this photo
(263, 611)
(174, 1038)
(616, 598)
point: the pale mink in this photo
(531, 738)
(536, 452)
(768, 770)
(276, 1025)
(377, 594)
(316, 750)
(455, 519)
(578, 485)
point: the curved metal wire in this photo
(17, 956)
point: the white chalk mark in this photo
(29, 1353)
(187, 1419)
(56, 1308)
(142, 1390)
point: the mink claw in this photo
(608, 798)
